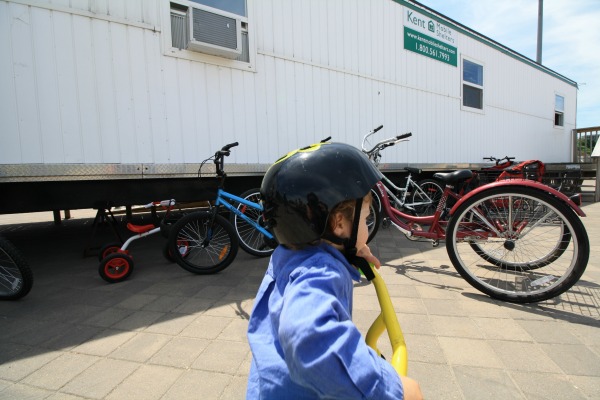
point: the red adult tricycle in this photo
(516, 240)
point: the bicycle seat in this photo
(140, 228)
(453, 177)
(412, 170)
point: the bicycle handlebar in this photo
(499, 160)
(225, 149)
(384, 143)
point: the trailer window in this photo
(559, 110)
(472, 88)
(233, 6)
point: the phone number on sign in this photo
(421, 48)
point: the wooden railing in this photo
(587, 151)
(584, 141)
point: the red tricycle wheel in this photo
(116, 267)
(108, 249)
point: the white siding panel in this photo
(252, 136)
(86, 90)
(123, 93)
(139, 92)
(10, 145)
(116, 8)
(25, 84)
(67, 91)
(201, 142)
(189, 136)
(157, 99)
(107, 112)
(173, 112)
(47, 85)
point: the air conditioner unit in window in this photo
(214, 33)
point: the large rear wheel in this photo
(517, 244)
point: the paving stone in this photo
(140, 347)
(213, 385)
(549, 332)
(470, 352)
(445, 388)
(222, 356)
(60, 371)
(20, 391)
(147, 382)
(540, 386)
(104, 343)
(206, 327)
(138, 321)
(100, 379)
(574, 359)
(26, 363)
(485, 383)
(524, 356)
(180, 352)
(502, 329)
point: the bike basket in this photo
(531, 169)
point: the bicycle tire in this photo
(211, 243)
(16, 277)
(116, 267)
(251, 240)
(531, 265)
(434, 191)
(374, 217)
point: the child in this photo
(301, 334)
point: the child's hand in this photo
(365, 252)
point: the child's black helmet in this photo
(301, 188)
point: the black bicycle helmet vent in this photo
(301, 188)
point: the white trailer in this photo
(99, 97)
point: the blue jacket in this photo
(303, 341)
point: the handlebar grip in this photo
(406, 135)
(229, 146)
(378, 128)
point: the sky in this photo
(570, 42)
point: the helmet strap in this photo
(349, 244)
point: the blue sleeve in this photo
(323, 348)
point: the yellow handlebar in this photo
(388, 320)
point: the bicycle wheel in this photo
(108, 249)
(429, 196)
(251, 240)
(115, 267)
(374, 218)
(210, 243)
(16, 278)
(517, 244)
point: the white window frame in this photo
(561, 112)
(169, 50)
(463, 82)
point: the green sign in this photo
(430, 47)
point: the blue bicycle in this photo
(204, 242)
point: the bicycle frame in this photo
(222, 200)
(436, 231)
(389, 185)
(387, 320)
